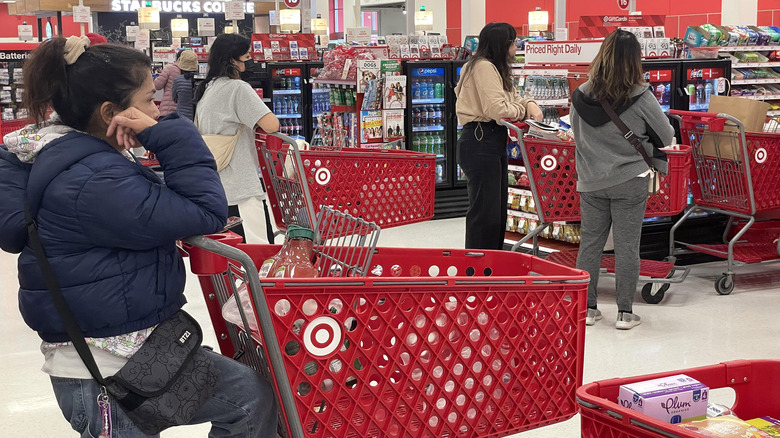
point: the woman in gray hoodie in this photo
(612, 176)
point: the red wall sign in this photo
(704, 73)
(658, 76)
(296, 3)
(286, 72)
(599, 26)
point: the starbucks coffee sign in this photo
(178, 6)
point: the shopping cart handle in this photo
(518, 127)
(690, 119)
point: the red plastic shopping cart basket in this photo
(736, 171)
(756, 384)
(551, 165)
(433, 343)
(387, 187)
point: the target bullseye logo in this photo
(322, 336)
(322, 176)
(761, 155)
(548, 162)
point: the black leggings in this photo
(482, 156)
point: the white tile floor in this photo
(692, 327)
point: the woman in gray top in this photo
(226, 105)
(612, 177)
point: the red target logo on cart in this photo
(760, 155)
(323, 336)
(548, 162)
(322, 176)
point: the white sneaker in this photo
(627, 321)
(593, 316)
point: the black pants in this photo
(482, 156)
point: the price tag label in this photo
(81, 14)
(234, 10)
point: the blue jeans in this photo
(243, 405)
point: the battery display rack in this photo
(11, 91)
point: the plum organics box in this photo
(672, 399)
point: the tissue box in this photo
(672, 399)
(697, 36)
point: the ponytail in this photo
(45, 78)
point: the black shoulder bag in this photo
(654, 183)
(164, 383)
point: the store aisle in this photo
(692, 327)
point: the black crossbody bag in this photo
(164, 383)
(654, 183)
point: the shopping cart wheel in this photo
(653, 293)
(725, 284)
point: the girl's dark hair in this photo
(617, 68)
(226, 47)
(103, 73)
(494, 42)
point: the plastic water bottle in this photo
(297, 82)
(277, 106)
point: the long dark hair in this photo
(226, 48)
(103, 73)
(494, 42)
(617, 68)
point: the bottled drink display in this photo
(287, 105)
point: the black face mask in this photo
(249, 64)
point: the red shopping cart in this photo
(755, 383)
(9, 126)
(429, 343)
(551, 169)
(736, 175)
(388, 187)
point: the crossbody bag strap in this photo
(74, 332)
(628, 134)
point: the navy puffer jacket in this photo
(109, 227)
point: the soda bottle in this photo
(708, 92)
(438, 148)
(297, 82)
(416, 89)
(692, 94)
(667, 94)
(415, 117)
(424, 143)
(438, 116)
(700, 94)
(430, 89)
(659, 93)
(439, 173)
(297, 127)
(416, 144)
(284, 106)
(277, 106)
(438, 90)
(296, 262)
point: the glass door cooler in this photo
(287, 98)
(316, 100)
(459, 177)
(427, 115)
(663, 77)
(700, 79)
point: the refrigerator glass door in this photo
(428, 117)
(661, 81)
(701, 84)
(320, 100)
(288, 100)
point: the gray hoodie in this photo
(604, 157)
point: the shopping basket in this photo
(736, 175)
(551, 169)
(431, 343)
(387, 187)
(756, 384)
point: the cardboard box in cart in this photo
(672, 399)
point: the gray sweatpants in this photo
(622, 207)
